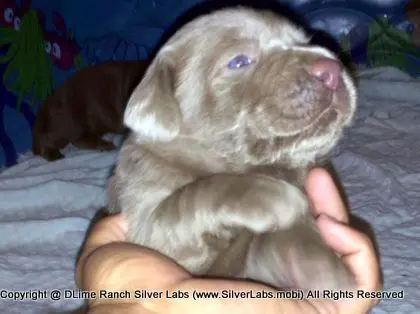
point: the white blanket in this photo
(45, 208)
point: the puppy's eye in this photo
(240, 61)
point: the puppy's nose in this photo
(328, 71)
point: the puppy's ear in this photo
(152, 111)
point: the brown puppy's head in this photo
(248, 85)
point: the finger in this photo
(107, 230)
(324, 195)
(125, 266)
(109, 263)
(139, 272)
(356, 249)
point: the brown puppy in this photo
(231, 114)
(88, 105)
(412, 10)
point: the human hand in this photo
(356, 248)
(110, 263)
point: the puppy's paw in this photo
(105, 145)
(313, 266)
(298, 259)
(52, 155)
(94, 143)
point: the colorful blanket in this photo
(43, 42)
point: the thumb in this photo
(356, 250)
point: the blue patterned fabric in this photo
(43, 42)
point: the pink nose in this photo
(328, 71)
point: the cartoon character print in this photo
(61, 45)
(12, 13)
(27, 74)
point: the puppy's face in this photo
(248, 85)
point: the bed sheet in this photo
(45, 208)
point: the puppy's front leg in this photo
(197, 221)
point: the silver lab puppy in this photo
(231, 114)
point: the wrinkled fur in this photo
(88, 105)
(212, 173)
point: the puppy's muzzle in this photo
(328, 71)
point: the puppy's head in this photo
(248, 85)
